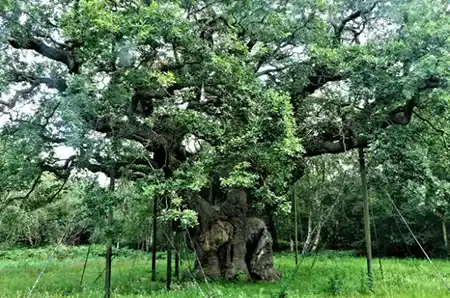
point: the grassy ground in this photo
(329, 275)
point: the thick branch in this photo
(270, 70)
(136, 168)
(27, 195)
(52, 83)
(20, 93)
(332, 147)
(320, 77)
(52, 53)
(57, 83)
(353, 16)
(399, 116)
(443, 134)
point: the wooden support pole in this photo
(155, 222)
(85, 264)
(109, 238)
(177, 255)
(363, 173)
(169, 255)
(444, 233)
(295, 226)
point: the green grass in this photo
(333, 275)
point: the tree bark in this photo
(230, 241)
(109, 240)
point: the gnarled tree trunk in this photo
(230, 241)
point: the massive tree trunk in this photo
(230, 241)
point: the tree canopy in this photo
(253, 83)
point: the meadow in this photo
(325, 275)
